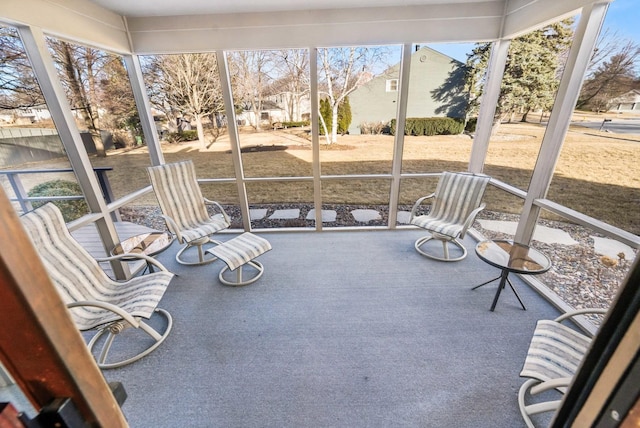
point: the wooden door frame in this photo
(40, 346)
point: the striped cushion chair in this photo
(96, 301)
(553, 358)
(456, 202)
(184, 208)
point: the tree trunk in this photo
(497, 120)
(80, 99)
(326, 132)
(200, 129)
(334, 123)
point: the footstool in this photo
(237, 252)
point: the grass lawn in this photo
(598, 173)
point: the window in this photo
(392, 85)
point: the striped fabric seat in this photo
(554, 356)
(555, 351)
(79, 278)
(455, 204)
(240, 251)
(184, 208)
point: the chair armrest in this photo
(562, 382)
(469, 221)
(576, 312)
(217, 204)
(130, 256)
(109, 307)
(418, 203)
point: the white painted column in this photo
(134, 70)
(232, 128)
(584, 41)
(490, 95)
(33, 40)
(315, 136)
(398, 148)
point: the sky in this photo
(623, 16)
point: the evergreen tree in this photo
(344, 116)
(531, 72)
(325, 124)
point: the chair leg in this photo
(532, 387)
(117, 327)
(445, 242)
(239, 280)
(199, 243)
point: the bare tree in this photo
(18, 86)
(342, 71)
(611, 77)
(81, 68)
(293, 67)
(189, 84)
(251, 79)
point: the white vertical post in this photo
(33, 40)
(398, 148)
(232, 128)
(134, 70)
(584, 41)
(490, 95)
(315, 138)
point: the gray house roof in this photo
(436, 88)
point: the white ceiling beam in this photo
(524, 16)
(73, 20)
(301, 29)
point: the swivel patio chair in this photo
(456, 202)
(185, 209)
(554, 356)
(97, 302)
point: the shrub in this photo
(430, 126)
(177, 137)
(325, 112)
(472, 122)
(296, 124)
(344, 116)
(71, 209)
(376, 128)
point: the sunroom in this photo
(301, 173)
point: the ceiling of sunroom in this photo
(173, 26)
(141, 8)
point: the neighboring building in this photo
(295, 107)
(270, 113)
(629, 102)
(436, 88)
(25, 116)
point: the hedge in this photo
(177, 137)
(430, 126)
(296, 124)
(71, 209)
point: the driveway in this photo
(617, 126)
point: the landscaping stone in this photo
(365, 216)
(286, 214)
(257, 213)
(327, 215)
(404, 217)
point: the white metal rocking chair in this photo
(97, 302)
(185, 209)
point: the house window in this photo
(264, 115)
(392, 85)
